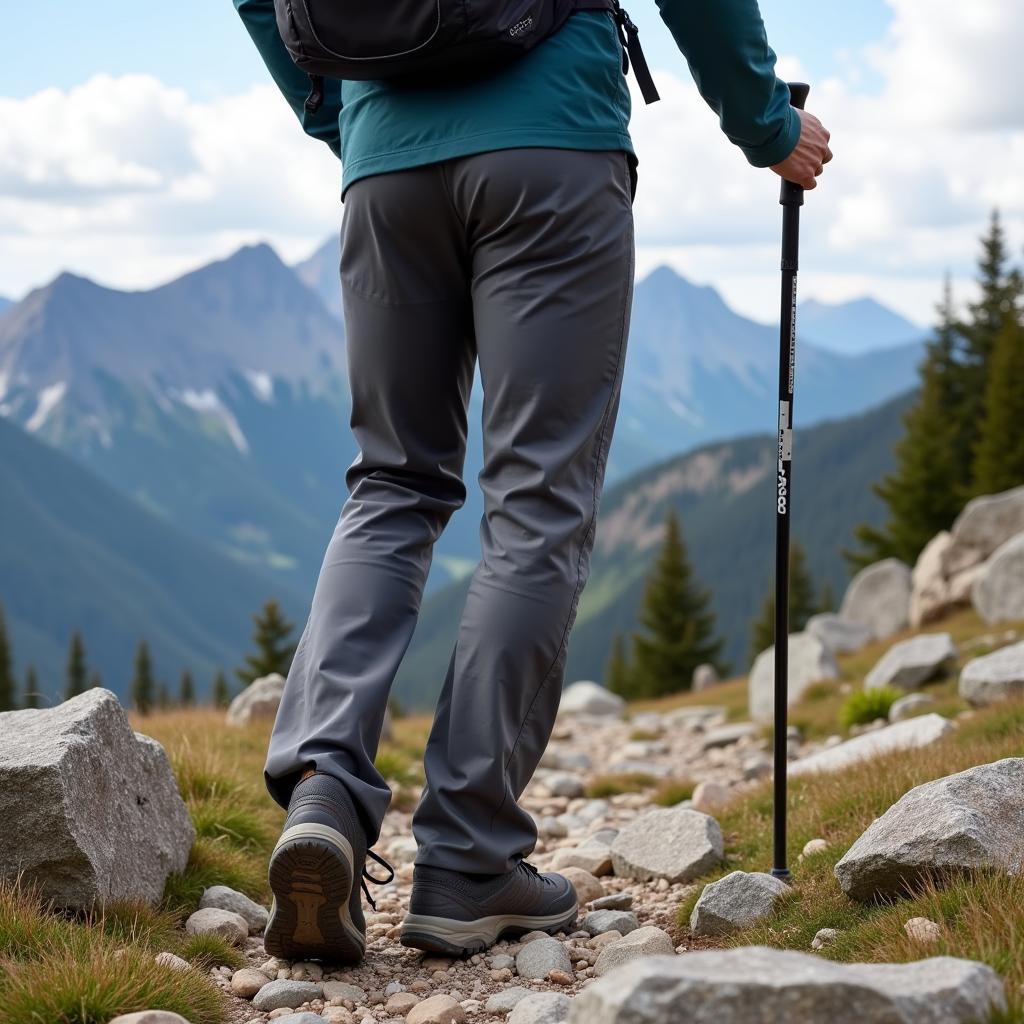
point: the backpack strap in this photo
(629, 36)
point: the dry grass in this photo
(604, 786)
(982, 918)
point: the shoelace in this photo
(367, 877)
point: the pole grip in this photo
(791, 194)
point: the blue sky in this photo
(150, 140)
(199, 46)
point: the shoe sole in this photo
(463, 938)
(311, 876)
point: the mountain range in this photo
(219, 401)
(857, 326)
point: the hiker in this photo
(487, 221)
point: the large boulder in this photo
(810, 661)
(91, 810)
(994, 677)
(998, 592)
(974, 819)
(929, 588)
(588, 698)
(839, 635)
(879, 597)
(911, 662)
(984, 525)
(736, 901)
(260, 699)
(674, 843)
(754, 985)
(906, 735)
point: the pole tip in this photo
(782, 873)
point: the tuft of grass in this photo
(982, 916)
(864, 706)
(672, 792)
(212, 862)
(643, 735)
(613, 785)
(218, 819)
(206, 951)
(397, 767)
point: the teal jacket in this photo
(567, 93)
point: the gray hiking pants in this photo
(521, 259)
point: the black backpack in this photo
(431, 40)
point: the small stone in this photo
(401, 1003)
(305, 1017)
(736, 901)
(590, 698)
(823, 937)
(501, 961)
(614, 901)
(598, 921)
(172, 960)
(247, 982)
(276, 994)
(225, 923)
(564, 784)
(221, 897)
(710, 797)
(541, 1008)
(672, 843)
(149, 1017)
(643, 942)
(908, 706)
(596, 860)
(911, 662)
(604, 939)
(439, 1009)
(337, 1015)
(502, 1002)
(305, 971)
(814, 846)
(923, 930)
(500, 974)
(539, 957)
(343, 990)
(994, 677)
(560, 977)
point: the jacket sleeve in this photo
(726, 47)
(261, 23)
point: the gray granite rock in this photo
(91, 809)
(224, 898)
(994, 677)
(306, 1017)
(621, 921)
(259, 700)
(879, 597)
(344, 990)
(541, 1008)
(736, 901)
(150, 1017)
(542, 955)
(589, 698)
(704, 677)
(756, 985)
(810, 661)
(727, 735)
(909, 706)
(911, 662)
(906, 735)
(227, 924)
(283, 992)
(984, 524)
(971, 820)
(998, 593)
(502, 1002)
(672, 843)
(637, 945)
(839, 635)
(614, 901)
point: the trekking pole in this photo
(791, 197)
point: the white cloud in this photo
(130, 181)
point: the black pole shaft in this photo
(791, 197)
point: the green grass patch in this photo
(673, 792)
(863, 707)
(613, 785)
(206, 951)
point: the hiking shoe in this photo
(457, 914)
(316, 910)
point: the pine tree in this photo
(924, 494)
(221, 691)
(1000, 292)
(678, 624)
(33, 698)
(77, 671)
(8, 688)
(617, 673)
(999, 454)
(803, 603)
(274, 649)
(186, 690)
(143, 688)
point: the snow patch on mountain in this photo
(262, 385)
(208, 403)
(49, 398)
